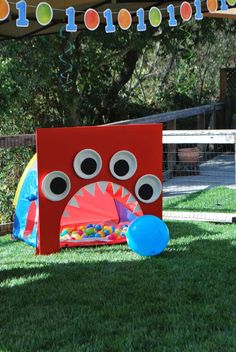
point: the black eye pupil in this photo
(58, 185)
(145, 192)
(121, 168)
(89, 166)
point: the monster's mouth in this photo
(100, 203)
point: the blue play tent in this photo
(26, 205)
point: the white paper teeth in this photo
(66, 214)
(91, 189)
(103, 186)
(137, 208)
(115, 187)
(124, 192)
(80, 193)
(73, 203)
(131, 199)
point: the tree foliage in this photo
(113, 77)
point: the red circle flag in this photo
(186, 11)
(91, 19)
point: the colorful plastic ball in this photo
(111, 238)
(106, 232)
(101, 233)
(89, 226)
(148, 235)
(98, 227)
(89, 231)
(97, 235)
(68, 230)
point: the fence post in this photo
(201, 122)
(227, 93)
(171, 150)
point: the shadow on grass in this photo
(179, 301)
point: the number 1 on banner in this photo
(141, 27)
(110, 28)
(224, 5)
(198, 14)
(22, 21)
(171, 12)
(71, 26)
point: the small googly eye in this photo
(123, 165)
(56, 186)
(87, 164)
(148, 188)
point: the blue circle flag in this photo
(148, 235)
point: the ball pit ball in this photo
(148, 235)
(111, 237)
(89, 231)
(94, 232)
(89, 226)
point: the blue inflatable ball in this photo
(148, 235)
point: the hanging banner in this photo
(124, 19)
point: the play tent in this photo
(89, 211)
(87, 192)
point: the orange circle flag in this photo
(4, 10)
(124, 19)
(212, 5)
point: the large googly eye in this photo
(148, 188)
(123, 165)
(56, 186)
(87, 164)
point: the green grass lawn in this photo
(110, 299)
(219, 199)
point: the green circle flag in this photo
(44, 13)
(155, 17)
(231, 2)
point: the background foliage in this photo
(114, 77)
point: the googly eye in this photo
(87, 164)
(148, 189)
(123, 165)
(56, 186)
